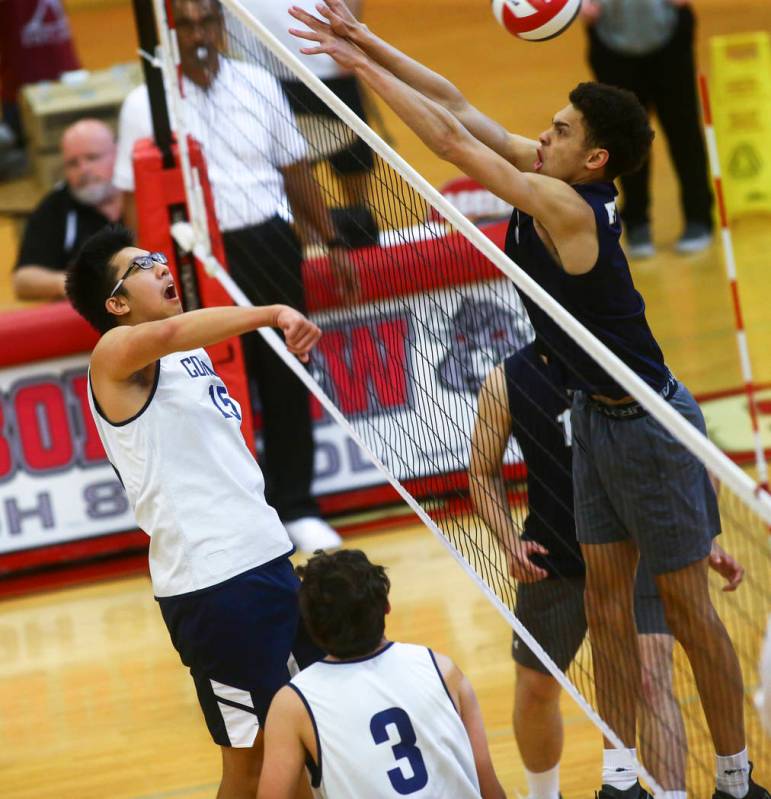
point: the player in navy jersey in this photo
(524, 398)
(375, 719)
(218, 554)
(636, 489)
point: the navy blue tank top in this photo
(539, 406)
(604, 300)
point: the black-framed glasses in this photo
(140, 262)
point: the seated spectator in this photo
(75, 209)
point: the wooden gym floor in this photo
(94, 703)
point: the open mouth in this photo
(170, 292)
(538, 160)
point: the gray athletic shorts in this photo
(553, 612)
(633, 479)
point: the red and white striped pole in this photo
(730, 265)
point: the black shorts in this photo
(355, 156)
(242, 640)
(553, 613)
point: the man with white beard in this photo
(74, 210)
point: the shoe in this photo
(696, 237)
(635, 792)
(639, 243)
(311, 533)
(755, 792)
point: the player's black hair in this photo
(616, 121)
(343, 601)
(91, 277)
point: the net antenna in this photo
(403, 194)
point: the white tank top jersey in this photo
(386, 727)
(193, 485)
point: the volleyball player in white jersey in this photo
(375, 718)
(218, 552)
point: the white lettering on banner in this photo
(57, 486)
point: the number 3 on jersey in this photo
(223, 403)
(403, 749)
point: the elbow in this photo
(447, 145)
(477, 484)
(20, 288)
(25, 287)
(451, 146)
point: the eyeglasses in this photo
(140, 262)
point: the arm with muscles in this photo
(307, 202)
(488, 492)
(289, 738)
(342, 20)
(568, 220)
(32, 282)
(125, 350)
(467, 705)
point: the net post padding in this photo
(158, 190)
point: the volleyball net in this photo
(437, 312)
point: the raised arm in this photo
(568, 220)
(125, 350)
(518, 150)
(489, 438)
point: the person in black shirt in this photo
(524, 397)
(637, 489)
(76, 209)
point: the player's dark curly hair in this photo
(343, 601)
(91, 277)
(616, 121)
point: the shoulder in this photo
(137, 99)
(288, 700)
(135, 116)
(520, 361)
(494, 387)
(450, 674)
(57, 200)
(107, 349)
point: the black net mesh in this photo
(435, 322)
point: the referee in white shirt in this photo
(349, 156)
(259, 174)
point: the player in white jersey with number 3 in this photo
(218, 553)
(375, 718)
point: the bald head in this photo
(88, 153)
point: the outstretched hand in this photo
(300, 334)
(340, 18)
(328, 40)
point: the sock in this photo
(543, 784)
(673, 795)
(618, 768)
(733, 774)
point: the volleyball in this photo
(536, 20)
